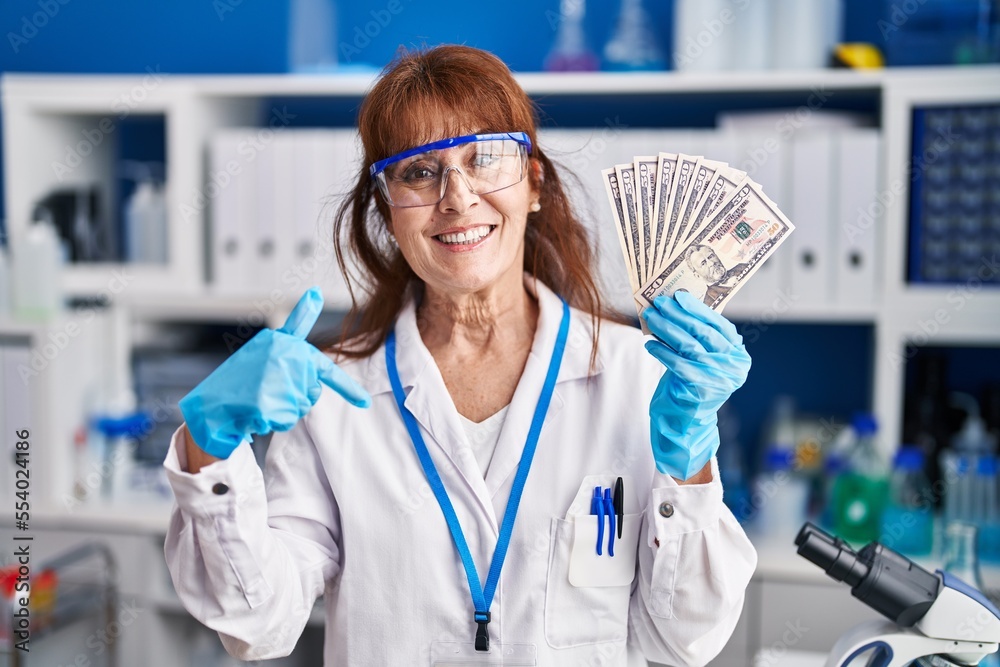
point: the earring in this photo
(535, 207)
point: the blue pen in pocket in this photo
(609, 509)
(597, 509)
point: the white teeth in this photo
(467, 237)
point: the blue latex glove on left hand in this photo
(706, 362)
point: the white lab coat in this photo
(343, 509)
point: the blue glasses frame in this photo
(520, 137)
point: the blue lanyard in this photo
(481, 599)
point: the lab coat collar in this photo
(428, 400)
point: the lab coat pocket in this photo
(586, 595)
(586, 568)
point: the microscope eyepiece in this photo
(886, 581)
(832, 554)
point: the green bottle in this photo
(860, 493)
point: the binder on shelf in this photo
(770, 287)
(264, 253)
(860, 216)
(326, 166)
(811, 209)
(307, 204)
(229, 265)
(340, 155)
(283, 188)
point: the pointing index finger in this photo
(304, 315)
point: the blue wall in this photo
(244, 36)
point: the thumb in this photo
(304, 315)
(335, 378)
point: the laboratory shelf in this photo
(87, 93)
(256, 311)
(804, 312)
(150, 519)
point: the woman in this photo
(482, 354)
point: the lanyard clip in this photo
(482, 634)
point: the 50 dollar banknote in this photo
(742, 232)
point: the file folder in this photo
(860, 218)
(268, 216)
(770, 286)
(812, 210)
(231, 236)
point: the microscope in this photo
(933, 620)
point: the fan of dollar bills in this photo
(688, 223)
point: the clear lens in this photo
(486, 166)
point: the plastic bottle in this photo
(908, 521)
(312, 32)
(146, 224)
(570, 52)
(834, 465)
(37, 272)
(781, 495)
(632, 45)
(988, 518)
(973, 436)
(802, 34)
(700, 40)
(779, 432)
(735, 484)
(966, 489)
(860, 493)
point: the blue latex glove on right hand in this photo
(706, 362)
(267, 385)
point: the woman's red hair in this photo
(470, 90)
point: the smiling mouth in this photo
(468, 237)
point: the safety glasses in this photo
(485, 162)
